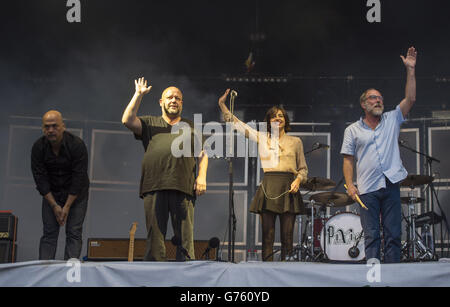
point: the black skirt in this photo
(275, 184)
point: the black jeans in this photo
(74, 228)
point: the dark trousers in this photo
(74, 229)
(287, 222)
(384, 203)
(159, 205)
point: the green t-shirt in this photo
(161, 169)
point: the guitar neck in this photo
(131, 249)
(131, 246)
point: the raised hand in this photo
(141, 86)
(225, 112)
(223, 99)
(411, 58)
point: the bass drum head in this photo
(343, 230)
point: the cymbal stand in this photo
(305, 247)
(312, 228)
(423, 252)
(299, 248)
(419, 251)
(300, 252)
(323, 210)
(429, 167)
(412, 224)
(321, 256)
(312, 202)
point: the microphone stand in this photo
(429, 161)
(314, 149)
(231, 213)
(429, 158)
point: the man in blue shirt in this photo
(372, 142)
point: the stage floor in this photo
(223, 274)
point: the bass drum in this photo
(342, 232)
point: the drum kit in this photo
(340, 237)
(328, 238)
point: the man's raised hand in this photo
(141, 86)
(411, 58)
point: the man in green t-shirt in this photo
(168, 183)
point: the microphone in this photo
(213, 243)
(353, 252)
(320, 145)
(177, 242)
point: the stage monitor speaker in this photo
(8, 226)
(7, 251)
(100, 249)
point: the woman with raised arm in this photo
(284, 165)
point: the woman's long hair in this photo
(271, 113)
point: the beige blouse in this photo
(282, 155)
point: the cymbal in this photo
(414, 200)
(317, 183)
(415, 180)
(330, 199)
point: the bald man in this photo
(59, 163)
(169, 183)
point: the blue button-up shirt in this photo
(376, 152)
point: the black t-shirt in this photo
(162, 167)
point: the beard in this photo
(374, 110)
(172, 112)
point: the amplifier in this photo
(8, 226)
(112, 249)
(7, 251)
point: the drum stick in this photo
(357, 199)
